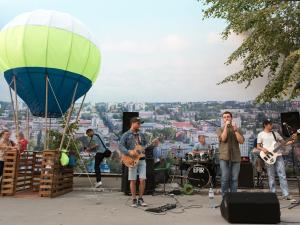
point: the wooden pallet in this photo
(8, 186)
(55, 179)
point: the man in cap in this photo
(96, 145)
(265, 140)
(128, 141)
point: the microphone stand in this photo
(293, 205)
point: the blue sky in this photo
(151, 50)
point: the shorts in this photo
(139, 169)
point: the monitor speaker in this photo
(126, 120)
(255, 207)
(246, 175)
(290, 123)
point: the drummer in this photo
(201, 146)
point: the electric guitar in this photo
(271, 156)
(131, 160)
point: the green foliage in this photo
(69, 143)
(271, 45)
(167, 133)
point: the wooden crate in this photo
(36, 170)
(8, 186)
(55, 179)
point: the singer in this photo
(230, 136)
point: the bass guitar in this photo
(272, 154)
(131, 160)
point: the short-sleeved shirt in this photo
(23, 145)
(96, 141)
(230, 148)
(4, 145)
(267, 139)
(201, 147)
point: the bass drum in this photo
(198, 176)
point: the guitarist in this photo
(265, 140)
(96, 145)
(128, 141)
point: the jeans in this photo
(229, 176)
(98, 159)
(1, 167)
(280, 169)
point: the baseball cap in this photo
(267, 121)
(136, 119)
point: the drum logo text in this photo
(198, 170)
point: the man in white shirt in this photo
(265, 141)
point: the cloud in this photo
(169, 43)
(173, 43)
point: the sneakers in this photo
(290, 198)
(98, 184)
(134, 203)
(141, 202)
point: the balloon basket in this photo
(38, 172)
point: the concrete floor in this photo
(109, 208)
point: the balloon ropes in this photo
(50, 60)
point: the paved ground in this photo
(109, 208)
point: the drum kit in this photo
(198, 173)
(199, 167)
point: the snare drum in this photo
(198, 176)
(204, 156)
(190, 157)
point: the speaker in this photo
(290, 123)
(246, 175)
(126, 120)
(256, 207)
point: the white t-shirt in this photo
(267, 139)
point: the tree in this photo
(271, 46)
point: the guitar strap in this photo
(137, 138)
(274, 136)
(97, 135)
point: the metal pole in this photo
(77, 117)
(13, 105)
(27, 124)
(46, 112)
(68, 118)
(16, 108)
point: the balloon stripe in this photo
(63, 51)
(28, 77)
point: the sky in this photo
(154, 51)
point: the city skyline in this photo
(164, 49)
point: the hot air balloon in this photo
(50, 59)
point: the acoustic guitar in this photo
(131, 160)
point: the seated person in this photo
(201, 146)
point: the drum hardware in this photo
(198, 176)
